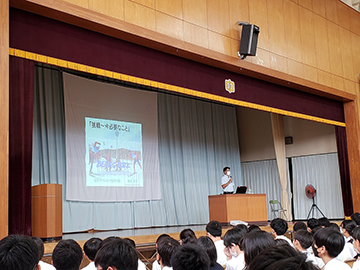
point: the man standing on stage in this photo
(227, 182)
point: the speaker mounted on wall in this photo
(249, 38)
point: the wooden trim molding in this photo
(163, 86)
(4, 117)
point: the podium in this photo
(245, 207)
(46, 211)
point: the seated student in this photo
(346, 253)
(324, 222)
(328, 245)
(208, 245)
(90, 248)
(187, 236)
(303, 241)
(40, 245)
(356, 217)
(67, 255)
(141, 265)
(279, 227)
(253, 243)
(233, 252)
(356, 243)
(312, 223)
(165, 249)
(281, 257)
(190, 257)
(116, 254)
(214, 230)
(299, 225)
(156, 265)
(18, 252)
(347, 226)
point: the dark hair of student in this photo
(187, 236)
(208, 245)
(254, 228)
(348, 225)
(161, 236)
(214, 228)
(18, 252)
(282, 257)
(117, 253)
(190, 257)
(331, 239)
(356, 217)
(305, 238)
(334, 226)
(356, 233)
(166, 248)
(67, 255)
(226, 168)
(91, 246)
(40, 245)
(299, 225)
(254, 242)
(233, 236)
(312, 223)
(279, 225)
(324, 222)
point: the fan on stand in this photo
(310, 192)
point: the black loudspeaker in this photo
(249, 38)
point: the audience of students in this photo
(322, 245)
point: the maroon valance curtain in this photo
(344, 170)
(21, 99)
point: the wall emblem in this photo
(230, 86)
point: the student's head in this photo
(328, 242)
(116, 254)
(208, 245)
(226, 169)
(282, 257)
(303, 240)
(67, 255)
(91, 246)
(214, 228)
(299, 226)
(254, 228)
(165, 249)
(190, 257)
(324, 222)
(40, 245)
(279, 226)
(161, 236)
(312, 223)
(347, 226)
(232, 240)
(18, 252)
(356, 235)
(241, 227)
(356, 217)
(187, 236)
(334, 226)
(254, 242)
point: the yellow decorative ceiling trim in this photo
(163, 86)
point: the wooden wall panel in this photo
(195, 12)
(218, 17)
(307, 32)
(238, 11)
(172, 8)
(196, 35)
(334, 49)
(110, 8)
(4, 116)
(346, 54)
(292, 30)
(331, 10)
(319, 7)
(147, 3)
(322, 43)
(276, 22)
(139, 15)
(258, 16)
(169, 25)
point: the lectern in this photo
(245, 207)
(46, 211)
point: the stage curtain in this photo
(20, 144)
(263, 177)
(196, 140)
(341, 143)
(321, 171)
(277, 123)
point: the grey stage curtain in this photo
(196, 140)
(322, 171)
